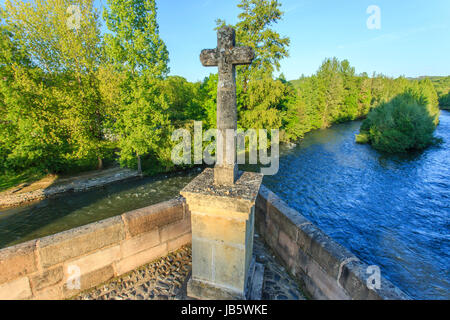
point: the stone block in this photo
(47, 278)
(286, 218)
(229, 267)
(272, 231)
(140, 243)
(304, 237)
(96, 260)
(50, 293)
(288, 244)
(325, 284)
(175, 230)
(327, 253)
(149, 218)
(130, 263)
(207, 291)
(288, 250)
(73, 243)
(90, 280)
(218, 228)
(202, 193)
(17, 261)
(175, 244)
(261, 200)
(15, 290)
(202, 258)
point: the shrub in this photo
(400, 125)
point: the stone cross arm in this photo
(236, 56)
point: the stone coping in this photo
(106, 249)
(245, 188)
(42, 268)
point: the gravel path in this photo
(166, 278)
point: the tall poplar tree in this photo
(135, 49)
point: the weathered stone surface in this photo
(17, 261)
(73, 243)
(354, 280)
(90, 280)
(175, 230)
(96, 260)
(202, 258)
(240, 197)
(140, 243)
(256, 282)
(278, 284)
(47, 278)
(226, 57)
(205, 291)
(16, 289)
(287, 243)
(50, 293)
(327, 286)
(99, 246)
(229, 267)
(127, 264)
(222, 230)
(147, 219)
(177, 243)
(219, 228)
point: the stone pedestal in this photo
(222, 235)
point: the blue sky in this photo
(414, 38)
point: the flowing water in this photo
(391, 211)
(55, 215)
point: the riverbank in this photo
(53, 185)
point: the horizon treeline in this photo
(72, 99)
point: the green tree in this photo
(30, 133)
(134, 44)
(135, 49)
(68, 59)
(254, 29)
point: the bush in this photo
(401, 125)
(444, 101)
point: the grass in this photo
(12, 179)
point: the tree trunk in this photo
(100, 163)
(139, 164)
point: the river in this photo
(391, 211)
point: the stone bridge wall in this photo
(40, 269)
(325, 269)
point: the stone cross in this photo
(226, 56)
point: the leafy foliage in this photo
(71, 99)
(400, 125)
